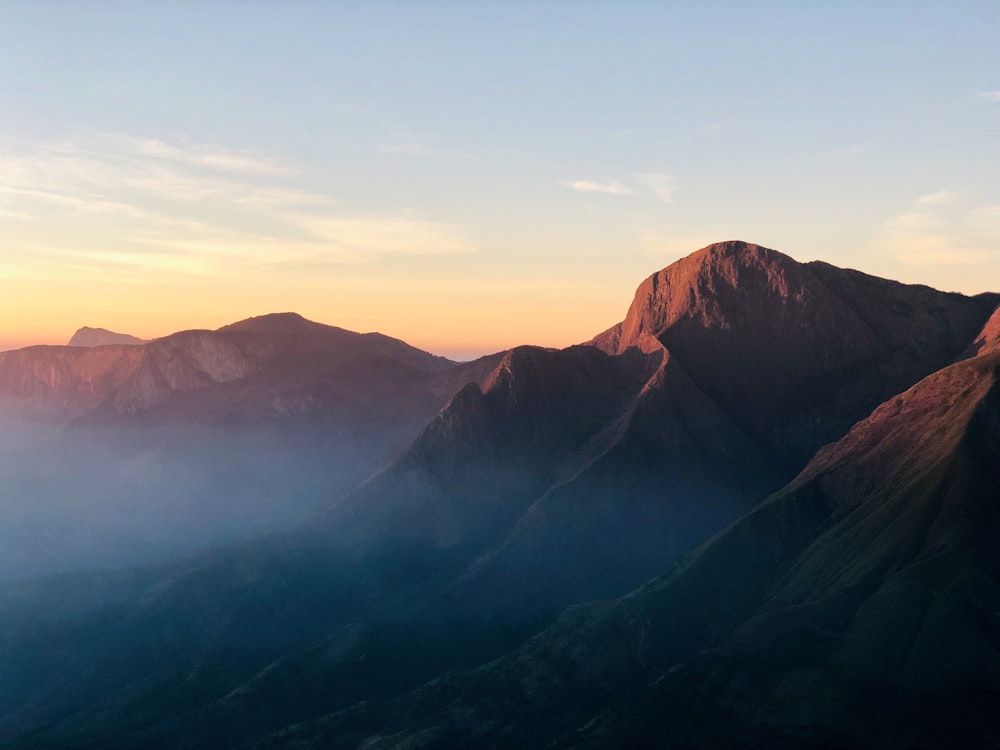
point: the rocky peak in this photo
(795, 352)
(91, 337)
(728, 286)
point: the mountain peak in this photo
(713, 285)
(271, 323)
(91, 337)
(763, 335)
(733, 249)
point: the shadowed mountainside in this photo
(855, 608)
(988, 338)
(750, 362)
(796, 352)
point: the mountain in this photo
(796, 353)
(988, 338)
(554, 478)
(733, 366)
(276, 365)
(855, 608)
(200, 436)
(87, 336)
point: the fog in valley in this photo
(80, 498)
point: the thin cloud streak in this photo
(941, 197)
(659, 184)
(187, 208)
(938, 230)
(588, 186)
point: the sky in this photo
(469, 176)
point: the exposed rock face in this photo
(268, 367)
(796, 353)
(988, 339)
(62, 382)
(87, 336)
(186, 362)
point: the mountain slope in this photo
(855, 608)
(796, 352)
(88, 336)
(988, 338)
(565, 475)
(199, 437)
(762, 361)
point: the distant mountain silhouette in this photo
(780, 477)
(87, 336)
(277, 365)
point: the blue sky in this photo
(470, 176)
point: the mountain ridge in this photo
(428, 606)
(784, 629)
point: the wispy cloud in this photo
(940, 198)
(659, 184)
(989, 96)
(207, 156)
(176, 206)
(939, 229)
(587, 186)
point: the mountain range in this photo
(217, 434)
(757, 512)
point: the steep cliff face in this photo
(186, 362)
(988, 339)
(796, 353)
(60, 382)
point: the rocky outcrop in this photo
(988, 339)
(60, 383)
(794, 352)
(89, 337)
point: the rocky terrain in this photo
(757, 512)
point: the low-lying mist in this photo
(92, 497)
